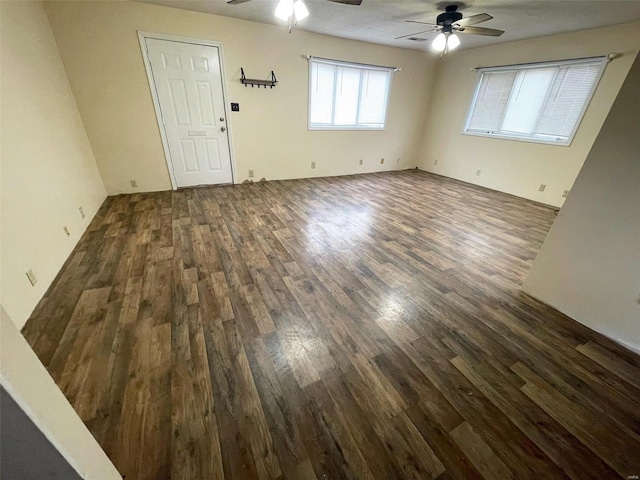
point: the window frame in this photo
(517, 68)
(360, 66)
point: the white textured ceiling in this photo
(380, 21)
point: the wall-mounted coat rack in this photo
(260, 83)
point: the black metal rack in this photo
(260, 83)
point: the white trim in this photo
(142, 36)
(366, 128)
(533, 139)
(503, 136)
(227, 110)
(156, 107)
(550, 63)
(345, 63)
(596, 328)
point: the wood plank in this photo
(619, 367)
(479, 453)
(599, 435)
(560, 446)
(365, 327)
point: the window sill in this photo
(499, 136)
(343, 128)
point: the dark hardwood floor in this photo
(364, 327)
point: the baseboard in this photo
(542, 204)
(619, 341)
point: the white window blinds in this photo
(493, 95)
(544, 102)
(569, 94)
(347, 96)
(321, 97)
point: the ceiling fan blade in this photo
(473, 19)
(425, 23)
(236, 2)
(416, 33)
(488, 32)
(347, 2)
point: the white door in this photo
(188, 82)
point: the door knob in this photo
(221, 119)
(223, 129)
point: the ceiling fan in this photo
(451, 22)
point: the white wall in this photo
(99, 47)
(589, 265)
(513, 166)
(48, 168)
(28, 382)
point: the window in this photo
(346, 96)
(538, 103)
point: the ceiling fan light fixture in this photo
(284, 10)
(452, 41)
(287, 8)
(300, 10)
(439, 43)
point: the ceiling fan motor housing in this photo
(450, 16)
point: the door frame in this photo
(142, 36)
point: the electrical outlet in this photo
(66, 230)
(250, 173)
(360, 161)
(313, 164)
(134, 184)
(381, 161)
(478, 172)
(81, 210)
(398, 160)
(435, 162)
(32, 277)
(565, 193)
(542, 187)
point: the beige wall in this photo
(99, 47)
(589, 265)
(48, 168)
(30, 385)
(512, 166)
